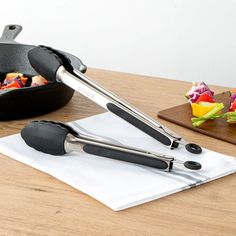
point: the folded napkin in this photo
(118, 184)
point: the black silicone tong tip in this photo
(46, 61)
(62, 125)
(47, 136)
(66, 62)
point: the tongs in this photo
(58, 139)
(56, 67)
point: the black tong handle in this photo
(138, 124)
(127, 157)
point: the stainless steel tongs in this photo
(56, 67)
(58, 139)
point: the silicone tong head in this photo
(47, 136)
(46, 61)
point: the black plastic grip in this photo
(45, 137)
(45, 62)
(139, 124)
(127, 157)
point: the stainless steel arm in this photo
(84, 85)
(118, 152)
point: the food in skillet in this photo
(204, 106)
(38, 80)
(18, 80)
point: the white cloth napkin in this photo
(117, 184)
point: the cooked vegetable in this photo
(197, 90)
(212, 114)
(202, 108)
(13, 84)
(205, 97)
(38, 81)
(18, 80)
(233, 97)
(231, 117)
(13, 75)
(232, 100)
(233, 106)
(14, 80)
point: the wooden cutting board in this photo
(218, 128)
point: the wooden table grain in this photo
(34, 203)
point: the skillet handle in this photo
(10, 32)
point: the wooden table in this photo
(34, 203)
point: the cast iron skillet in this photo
(29, 101)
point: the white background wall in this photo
(177, 39)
